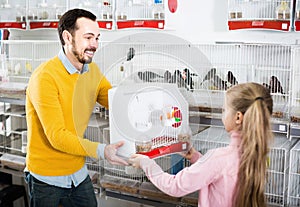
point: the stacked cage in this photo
(94, 132)
(277, 176)
(203, 73)
(295, 96)
(294, 177)
(260, 10)
(15, 71)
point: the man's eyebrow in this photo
(90, 33)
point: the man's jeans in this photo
(44, 195)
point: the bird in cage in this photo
(210, 75)
(149, 76)
(274, 85)
(177, 78)
(167, 76)
(130, 54)
(219, 83)
(231, 78)
(187, 76)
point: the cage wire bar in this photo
(214, 71)
(294, 177)
(211, 68)
(295, 95)
(260, 10)
(94, 132)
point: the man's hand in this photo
(110, 153)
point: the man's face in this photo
(84, 42)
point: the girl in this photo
(231, 176)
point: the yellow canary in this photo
(28, 67)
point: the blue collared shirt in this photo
(79, 176)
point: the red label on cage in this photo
(258, 23)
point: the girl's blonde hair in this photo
(255, 103)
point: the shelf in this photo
(297, 25)
(43, 24)
(13, 101)
(215, 119)
(158, 24)
(15, 25)
(105, 24)
(283, 25)
(295, 130)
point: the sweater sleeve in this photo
(44, 96)
(103, 88)
(188, 180)
(196, 156)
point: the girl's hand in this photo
(135, 160)
(188, 155)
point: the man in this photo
(60, 98)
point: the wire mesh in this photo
(260, 10)
(294, 177)
(295, 96)
(203, 80)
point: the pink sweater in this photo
(214, 175)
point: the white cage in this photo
(260, 10)
(294, 177)
(94, 132)
(295, 96)
(210, 68)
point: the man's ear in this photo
(67, 37)
(239, 117)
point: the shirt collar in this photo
(236, 138)
(68, 65)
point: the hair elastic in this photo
(259, 98)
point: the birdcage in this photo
(295, 100)
(294, 177)
(20, 58)
(203, 72)
(260, 10)
(14, 127)
(94, 132)
(277, 176)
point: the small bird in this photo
(218, 83)
(188, 79)
(231, 79)
(211, 73)
(274, 85)
(130, 54)
(149, 76)
(167, 76)
(177, 78)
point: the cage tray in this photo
(165, 150)
(13, 161)
(119, 184)
(150, 191)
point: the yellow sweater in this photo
(58, 108)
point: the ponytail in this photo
(255, 102)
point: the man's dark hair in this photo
(68, 21)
